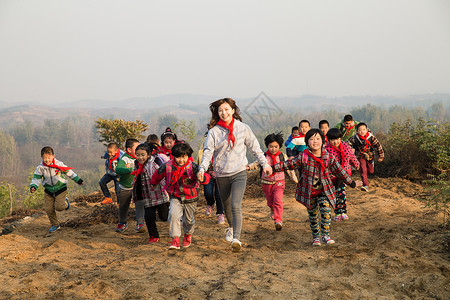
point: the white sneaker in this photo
(236, 245)
(229, 234)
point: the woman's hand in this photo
(201, 176)
(267, 170)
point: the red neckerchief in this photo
(133, 156)
(326, 140)
(138, 172)
(365, 139)
(110, 160)
(340, 150)
(166, 152)
(274, 159)
(178, 172)
(349, 128)
(53, 165)
(230, 130)
(315, 159)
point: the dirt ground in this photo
(390, 248)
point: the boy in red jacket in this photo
(181, 185)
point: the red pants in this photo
(274, 196)
(365, 166)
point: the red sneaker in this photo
(187, 240)
(175, 244)
(153, 240)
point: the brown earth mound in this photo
(389, 248)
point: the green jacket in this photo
(124, 168)
(347, 134)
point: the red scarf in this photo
(133, 156)
(138, 172)
(53, 165)
(365, 139)
(178, 172)
(340, 150)
(326, 140)
(317, 160)
(274, 159)
(230, 130)
(110, 160)
(349, 128)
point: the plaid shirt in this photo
(310, 169)
(359, 145)
(152, 197)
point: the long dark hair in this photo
(214, 108)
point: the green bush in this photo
(5, 200)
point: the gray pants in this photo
(124, 199)
(178, 211)
(231, 191)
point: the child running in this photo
(181, 185)
(344, 154)
(273, 185)
(315, 189)
(146, 164)
(153, 139)
(50, 173)
(297, 144)
(227, 141)
(124, 169)
(168, 140)
(365, 144)
(324, 126)
(112, 155)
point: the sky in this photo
(64, 51)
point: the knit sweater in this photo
(229, 159)
(359, 145)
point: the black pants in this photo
(150, 217)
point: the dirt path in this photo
(390, 248)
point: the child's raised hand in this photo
(380, 159)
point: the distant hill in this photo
(195, 107)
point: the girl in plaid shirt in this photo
(155, 199)
(315, 189)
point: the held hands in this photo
(32, 189)
(201, 176)
(267, 170)
(380, 159)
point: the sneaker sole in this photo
(278, 227)
(174, 248)
(316, 244)
(186, 246)
(235, 247)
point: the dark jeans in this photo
(212, 195)
(104, 184)
(150, 217)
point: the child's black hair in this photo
(145, 147)
(47, 150)
(303, 121)
(152, 138)
(334, 134)
(181, 149)
(112, 145)
(360, 124)
(348, 118)
(274, 138)
(294, 128)
(324, 122)
(168, 134)
(312, 132)
(130, 143)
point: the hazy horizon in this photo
(66, 51)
